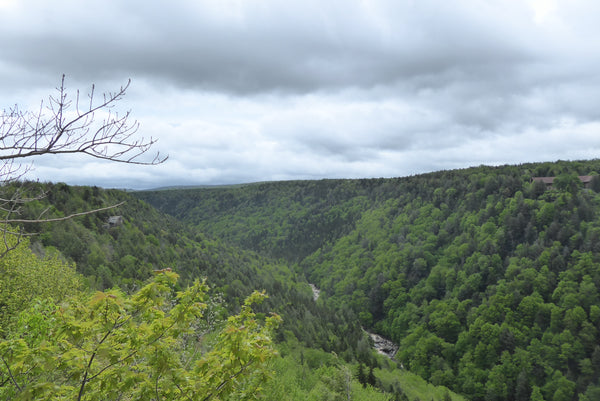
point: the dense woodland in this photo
(486, 280)
(321, 353)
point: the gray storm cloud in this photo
(256, 90)
(273, 46)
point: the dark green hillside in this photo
(321, 348)
(489, 282)
(290, 219)
(127, 254)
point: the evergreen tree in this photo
(371, 379)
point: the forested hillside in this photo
(321, 349)
(129, 253)
(285, 219)
(487, 280)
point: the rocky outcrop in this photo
(383, 345)
(315, 291)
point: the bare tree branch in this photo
(56, 129)
(64, 126)
(12, 378)
(19, 221)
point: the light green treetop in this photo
(109, 345)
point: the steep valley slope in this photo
(487, 279)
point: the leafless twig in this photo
(65, 126)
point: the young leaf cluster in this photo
(109, 345)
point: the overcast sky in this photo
(255, 90)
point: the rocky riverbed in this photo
(382, 345)
(315, 291)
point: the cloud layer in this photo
(250, 90)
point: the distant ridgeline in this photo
(488, 278)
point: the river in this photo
(382, 345)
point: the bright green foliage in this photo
(109, 346)
(24, 277)
(331, 381)
(309, 374)
(536, 394)
(488, 282)
(567, 182)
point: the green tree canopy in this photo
(109, 345)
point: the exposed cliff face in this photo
(384, 346)
(315, 291)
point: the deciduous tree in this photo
(112, 346)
